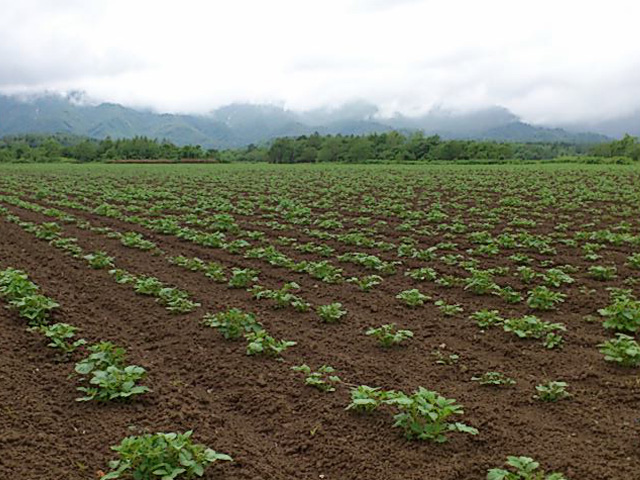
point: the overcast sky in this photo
(548, 61)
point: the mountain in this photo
(239, 125)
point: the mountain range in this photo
(238, 125)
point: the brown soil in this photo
(260, 412)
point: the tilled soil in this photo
(260, 412)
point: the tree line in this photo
(387, 147)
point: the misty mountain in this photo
(239, 125)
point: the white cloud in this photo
(548, 61)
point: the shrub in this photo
(165, 455)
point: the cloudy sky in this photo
(548, 61)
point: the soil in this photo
(261, 413)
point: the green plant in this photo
(487, 318)
(323, 379)
(15, 284)
(424, 415)
(101, 356)
(552, 391)
(623, 350)
(260, 343)
(366, 283)
(494, 379)
(99, 260)
(176, 301)
(60, 335)
(233, 323)
(542, 298)
(634, 261)
(508, 294)
(282, 297)
(530, 326)
(242, 278)
(366, 399)
(413, 297)
(448, 309)
(331, 313)
(623, 315)
(522, 468)
(114, 383)
(527, 274)
(36, 308)
(388, 335)
(148, 286)
(165, 455)
(602, 273)
(442, 359)
(480, 282)
(136, 240)
(422, 274)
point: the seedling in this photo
(542, 298)
(623, 315)
(442, 359)
(522, 468)
(366, 399)
(331, 313)
(60, 335)
(99, 260)
(496, 379)
(242, 278)
(323, 379)
(449, 309)
(552, 392)
(487, 318)
(530, 326)
(101, 356)
(114, 383)
(422, 274)
(366, 283)
(260, 343)
(233, 323)
(603, 273)
(623, 350)
(162, 455)
(424, 415)
(388, 335)
(413, 298)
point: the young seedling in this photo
(331, 313)
(623, 315)
(366, 399)
(522, 468)
(260, 343)
(487, 318)
(366, 283)
(101, 356)
(99, 260)
(323, 379)
(424, 415)
(449, 309)
(603, 273)
(495, 379)
(542, 298)
(114, 383)
(388, 335)
(552, 391)
(422, 274)
(162, 455)
(233, 323)
(530, 326)
(242, 278)
(412, 298)
(60, 336)
(623, 350)
(442, 359)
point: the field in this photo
(491, 275)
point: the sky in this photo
(551, 62)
